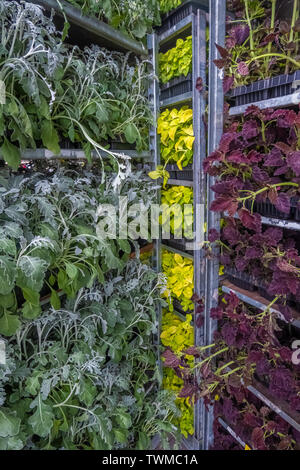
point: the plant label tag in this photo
(2, 352)
(247, 447)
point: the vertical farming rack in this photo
(191, 18)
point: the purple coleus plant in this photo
(256, 424)
(247, 347)
(257, 161)
(258, 45)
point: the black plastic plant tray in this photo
(274, 87)
(180, 244)
(173, 17)
(176, 86)
(185, 175)
(178, 307)
(242, 280)
(267, 209)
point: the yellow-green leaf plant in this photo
(180, 278)
(175, 128)
(183, 196)
(176, 61)
(178, 335)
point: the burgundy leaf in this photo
(192, 351)
(251, 221)
(240, 33)
(243, 69)
(283, 203)
(220, 63)
(293, 162)
(250, 129)
(223, 52)
(223, 204)
(284, 27)
(226, 140)
(237, 156)
(274, 158)
(227, 83)
(257, 438)
(171, 360)
(286, 149)
(188, 391)
(216, 313)
(259, 175)
(213, 235)
(199, 84)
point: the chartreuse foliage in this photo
(175, 128)
(167, 5)
(176, 61)
(134, 18)
(180, 278)
(182, 196)
(178, 335)
(83, 376)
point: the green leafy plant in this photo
(89, 382)
(49, 241)
(135, 18)
(55, 95)
(176, 61)
(167, 5)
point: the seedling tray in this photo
(274, 87)
(173, 17)
(240, 279)
(267, 209)
(185, 175)
(177, 86)
(180, 244)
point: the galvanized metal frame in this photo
(199, 189)
(154, 145)
(217, 16)
(197, 22)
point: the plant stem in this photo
(271, 30)
(250, 29)
(291, 37)
(283, 56)
(266, 188)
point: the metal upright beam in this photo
(199, 189)
(153, 95)
(217, 16)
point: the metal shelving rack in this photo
(195, 23)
